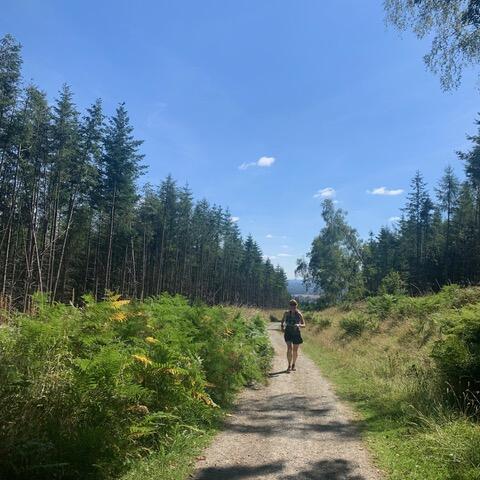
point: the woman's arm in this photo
(283, 321)
(302, 320)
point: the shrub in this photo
(418, 307)
(457, 353)
(309, 316)
(392, 284)
(323, 323)
(381, 306)
(319, 321)
(354, 324)
(85, 390)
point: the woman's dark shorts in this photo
(293, 335)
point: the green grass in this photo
(388, 375)
(173, 463)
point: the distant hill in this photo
(296, 287)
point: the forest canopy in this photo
(454, 26)
(73, 219)
(435, 242)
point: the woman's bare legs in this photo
(295, 355)
(289, 355)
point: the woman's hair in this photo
(293, 302)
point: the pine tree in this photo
(120, 170)
(74, 222)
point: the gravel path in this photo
(294, 428)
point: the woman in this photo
(292, 321)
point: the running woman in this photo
(292, 321)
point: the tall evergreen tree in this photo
(73, 220)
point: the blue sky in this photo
(312, 98)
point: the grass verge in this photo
(386, 372)
(176, 462)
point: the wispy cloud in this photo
(261, 162)
(385, 191)
(269, 257)
(327, 192)
(234, 219)
(284, 255)
(269, 235)
(285, 246)
(394, 219)
(156, 118)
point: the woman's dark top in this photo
(292, 331)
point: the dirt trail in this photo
(294, 428)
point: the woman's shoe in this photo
(289, 369)
(293, 367)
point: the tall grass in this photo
(85, 392)
(398, 359)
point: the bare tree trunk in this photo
(110, 241)
(62, 254)
(87, 264)
(144, 265)
(10, 222)
(134, 270)
(53, 242)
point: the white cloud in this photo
(269, 235)
(285, 246)
(261, 162)
(394, 219)
(266, 161)
(234, 219)
(327, 192)
(270, 257)
(284, 255)
(385, 191)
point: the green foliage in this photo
(334, 265)
(73, 220)
(322, 323)
(457, 352)
(354, 324)
(318, 320)
(435, 241)
(381, 306)
(452, 27)
(392, 284)
(403, 306)
(416, 380)
(83, 392)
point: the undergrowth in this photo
(411, 365)
(86, 393)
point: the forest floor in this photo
(293, 428)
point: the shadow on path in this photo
(238, 472)
(275, 374)
(335, 469)
(304, 415)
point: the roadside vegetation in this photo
(411, 367)
(120, 388)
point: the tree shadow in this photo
(303, 414)
(334, 469)
(238, 472)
